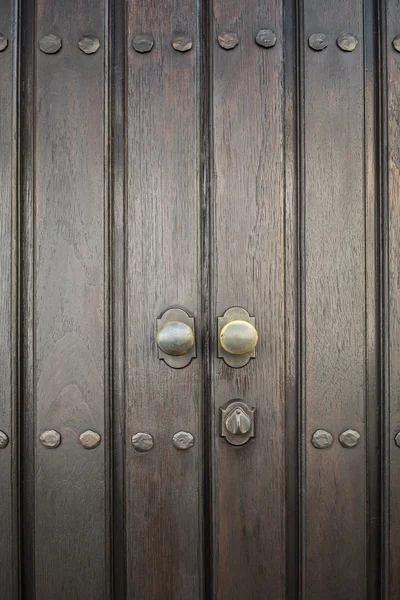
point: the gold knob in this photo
(175, 338)
(238, 337)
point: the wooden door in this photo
(179, 179)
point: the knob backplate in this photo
(237, 422)
(176, 315)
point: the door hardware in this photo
(142, 442)
(175, 338)
(183, 440)
(322, 439)
(50, 438)
(349, 438)
(237, 337)
(3, 440)
(237, 422)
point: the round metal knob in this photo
(175, 338)
(238, 337)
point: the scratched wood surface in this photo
(8, 288)
(163, 486)
(70, 320)
(334, 305)
(248, 271)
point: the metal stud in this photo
(142, 442)
(397, 439)
(90, 439)
(50, 43)
(50, 438)
(143, 42)
(3, 440)
(89, 44)
(347, 42)
(266, 38)
(396, 43)
(317, 41)
(349, 438)
(3, 42)
(183, 440)
(228, 40)
(182, 43)
(322, 439)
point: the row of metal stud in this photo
(322, 439)
(89, 44)
(142, 442)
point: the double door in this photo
(199, 299)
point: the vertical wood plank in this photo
(164, 485)
(70, 294)
(248, 262)
(8, 299)
(392, 331)
(335, 302)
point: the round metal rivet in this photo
(142, 442)
(89, 44)
(349, 438)
(397, 439)
(143, 42)
(322, 439)
(183, 440)
(50, 43)
(266, 38)
(50, 438)
(3, 42)
(396, 43)
(182, 43)
(347, 42)
(90, 439)
(228, 40)
(3, 440)
(317, 41)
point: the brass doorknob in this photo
(175, 338)
(238, 337)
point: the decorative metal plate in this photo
(178, 315)
(237, 422)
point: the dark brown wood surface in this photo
(163, 486)
(248, 267)
(8, 290)
(266, 178)
(70, 303)
(334, 305)
(392, 326)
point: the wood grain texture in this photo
(70, 322)
(334, 304)
(163, 486)
(248, 265)
(8, 293)
(392, 515)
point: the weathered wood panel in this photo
(163, 485)
(70, 291)
(248, 265)
(8, 292)
(334, 304)
(391, 233)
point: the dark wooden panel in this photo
(248, 263)
(392, 235)
(334, 304)
(8, 288)
(163, 493)
(70, 320)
